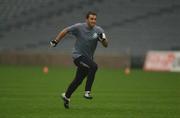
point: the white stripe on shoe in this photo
(64, 96)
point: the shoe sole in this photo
(89, 98)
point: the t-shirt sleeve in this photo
(73, 29)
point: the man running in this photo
(87, 36)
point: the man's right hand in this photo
(53, 43)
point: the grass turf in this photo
(26, 92)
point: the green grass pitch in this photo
(26, 92)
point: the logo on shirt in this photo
(95, 35)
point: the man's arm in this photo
(105, 43)
(58, 38)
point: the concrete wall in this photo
(59, 59)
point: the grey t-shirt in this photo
(86, 42)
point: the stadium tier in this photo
(131, 25)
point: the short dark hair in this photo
(90, 13)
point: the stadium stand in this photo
(133, 26)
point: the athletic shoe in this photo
(88, 96)
(65, 100)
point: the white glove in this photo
(53, 43)
(101, 37)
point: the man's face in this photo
(91, 21)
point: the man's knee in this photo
(77, 81)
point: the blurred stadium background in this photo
(133, 27)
